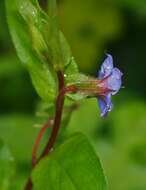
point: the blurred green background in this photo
(93, 28)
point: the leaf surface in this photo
(73, 165)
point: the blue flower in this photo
(110, 82)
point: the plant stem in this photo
(28, 184)
(58, 114)
(57, 121)
(38, 139)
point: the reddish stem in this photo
(28, 184)
(37, 141)
(59, 106)
(52, 139)
(56, 126)
(58, 114)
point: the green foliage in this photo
(43, 49)
(73, 165)
(40, 46)
(6, 167)
(26, 23)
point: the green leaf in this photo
(71, 68)
(42, 47)
(26, 23)
(6, 167)
(54, 38)
(74, 165)
(66, 51)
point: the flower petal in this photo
(114, 81)
(105, 105)
(106, 67)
